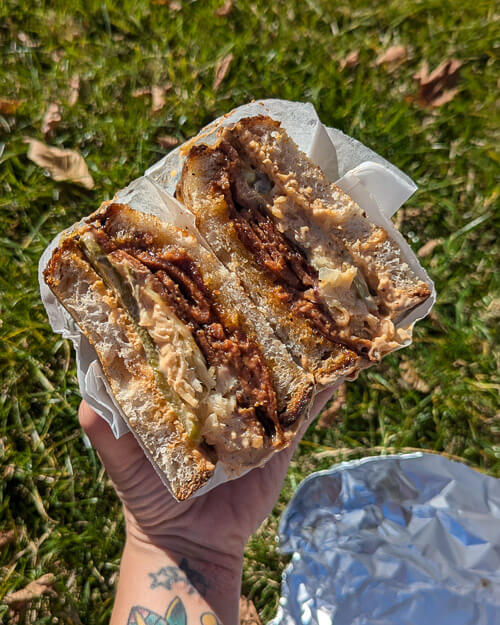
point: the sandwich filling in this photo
(297, 279)
(211, 366)
(316, 274)
(362, 277)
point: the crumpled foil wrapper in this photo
(395, 540)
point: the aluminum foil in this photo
(395, 540)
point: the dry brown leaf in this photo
(51, 119)
(423, 72)
(57, 55)
(225, 9)
(9, 107)
(74, 89)
(351, 60)
(437, 88)
(391, 55)
(428, 247)
(222, 69)
(446, 96)
(42, 586)
(63, 165)
(167, 141)
(158, 98)
(7, 537)
(159, 2)
(157, 93)
(248, 612)
(329, 415)
(139, 93)
(410, 376)
(27, 41)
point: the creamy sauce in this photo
(211, 392)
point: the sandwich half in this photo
(195, 367)
(332, 284)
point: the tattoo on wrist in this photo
(175, 615)
(167, 576)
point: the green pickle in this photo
(363, 292)
(125, 292)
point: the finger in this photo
(320, 402)
(115, 454)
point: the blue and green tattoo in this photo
(166, 577)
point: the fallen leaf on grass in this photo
(445, 97)
(57, 55)
(428, 247)
(139, 93)
(438, 87)
(410, 376)
(9, 107)
(7, 537)
(225, 9)
(222, 69)
(27, 41)
(329, 414)
(248, 612)
(157, 98)
(167, 141)
(74, 89)
(157, 93)
(351, 60)
(63, 165)
(19, 600)
(391, 56)
(51, 119)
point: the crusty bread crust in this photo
(101, 318)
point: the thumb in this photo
(117, 455)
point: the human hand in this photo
(204, 535)
(221, 520)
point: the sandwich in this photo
(195, 367)
(214, 339)
(333, 285)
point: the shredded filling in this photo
(180, 285)
(297, 279)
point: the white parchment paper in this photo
(376, 185)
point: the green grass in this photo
(53, 488)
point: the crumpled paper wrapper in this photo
(393, 540)
(376, 185)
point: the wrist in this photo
(213, 575)
(225, 566)
(195, 547)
